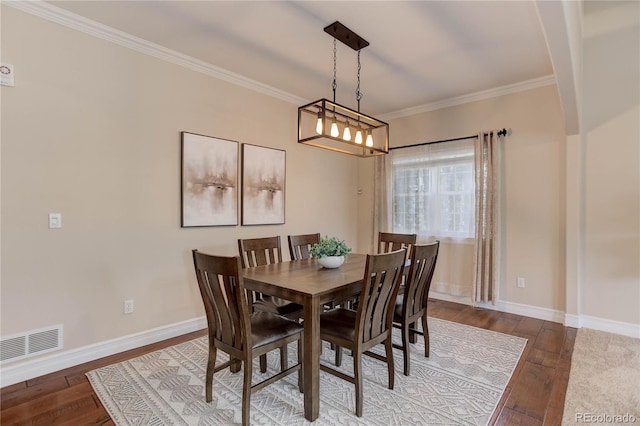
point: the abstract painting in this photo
(263, 185)
(209, 181)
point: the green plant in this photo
(329, 247)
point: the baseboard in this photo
(526, 310)
(569, 320)
(610, 326)
(464, 300)
(504, 306)
(28, 369)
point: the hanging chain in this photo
(358, 92)
(334, 85)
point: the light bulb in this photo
(319, 125)
(358, 138)
(334, 128)
(369, 141)
(347, 132)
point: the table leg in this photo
(311, 360)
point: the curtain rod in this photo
(503, 132)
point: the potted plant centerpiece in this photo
(330, 252)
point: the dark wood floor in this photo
(534, 396)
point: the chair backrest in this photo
(388, 241)
(299, 245)
(382, 276)
(224, 297)
(260, 251)
(423, 264)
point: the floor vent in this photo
(31, 343)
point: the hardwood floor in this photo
(534, 396)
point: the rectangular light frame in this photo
(325, 109)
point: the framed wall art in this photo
(263, 185)
(209, 181)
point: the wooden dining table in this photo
(309, 284)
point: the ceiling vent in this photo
(31, 343)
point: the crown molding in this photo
(473, 97)
(71, 20)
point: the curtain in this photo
(468, 262)
(486, 170)
(382, 198)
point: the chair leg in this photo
(357, 375)
(284, 358)
(338, 360)
(390, 367)
(211, 365)
(425, 332)
(246, 391)
(405, 347)
(263, 363)
(412, 334)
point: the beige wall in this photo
(533, 189)
(611, 155)
(92, 130)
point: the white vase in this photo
(331, 261)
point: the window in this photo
(433, 190)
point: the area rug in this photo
(604, 380)
(459, 384)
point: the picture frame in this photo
(209, 191)
(263, 185)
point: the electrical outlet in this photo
(520, 282)
(128, 306)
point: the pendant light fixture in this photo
(319, 122)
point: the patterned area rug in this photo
(459, 384)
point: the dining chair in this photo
(411, 305)
(370, 324)
(388, 241)
(235, 330)
(299, 245)
(265, 251)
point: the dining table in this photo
(309, 284)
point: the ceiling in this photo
(420, 52)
